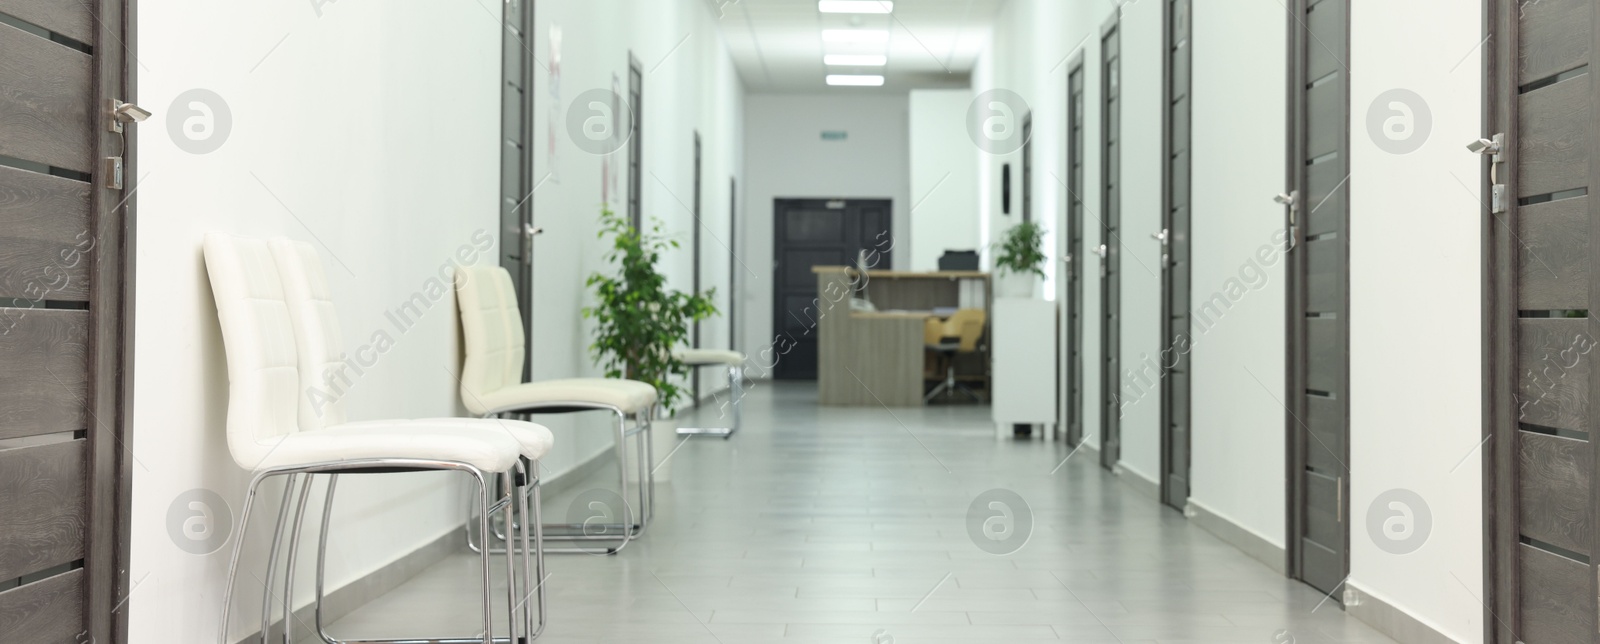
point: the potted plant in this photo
(1019, 266)
(638, 319)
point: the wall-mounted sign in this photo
(835, 135)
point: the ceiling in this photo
(777, 45)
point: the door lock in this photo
(1494, 148)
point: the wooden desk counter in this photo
(877, 357)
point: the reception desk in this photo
(877, 357)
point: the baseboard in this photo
(1237, 536)
(346, 599)
(1389, 620)
(1138, 482)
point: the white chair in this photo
(265, 436)
(325, 368)
(491, 385)
(734, 361)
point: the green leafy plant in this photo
(638, 319)
(1022, 250)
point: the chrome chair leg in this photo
(536, 521)
(272, 558)
(238, 550)
(322, 555)
(289, 564)
(735, 386)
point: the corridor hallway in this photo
(825, 525)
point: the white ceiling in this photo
(777, 44)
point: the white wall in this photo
(373, 131)
(944, 177)
(1238, 138)
(1414, 396)
(785, 157)
(328, 143)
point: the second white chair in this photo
(491, 385)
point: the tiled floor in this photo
(826, 525)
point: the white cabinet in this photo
(1023, 339)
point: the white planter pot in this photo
(1024, 285)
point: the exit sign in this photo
(835, 135)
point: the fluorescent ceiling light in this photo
(874, 36)
(852, 80)
(857, 60)
(855, 6)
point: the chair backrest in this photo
(491, 325)
(259, 340)
(325, 374)
(967, 325)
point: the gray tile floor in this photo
(851, 525)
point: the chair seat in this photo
(535, 439)
(701, 357)
(451, 439)
(629, 396)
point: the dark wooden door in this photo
(516, 161)
(1539, 225)
(1110, 244)
(1317, 400)
(1074, 259)
(818, 232)
(63, 242)
(1174, 237)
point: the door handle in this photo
(1160, 237)
(1100, 250)
(1494, 148)
(1291, 199)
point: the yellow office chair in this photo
(958, 334)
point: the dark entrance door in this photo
(64, 480)
(1318, 402)
(1073, 270)
(1541, 266)
(1110, 244)
(1174, 236)
(818, 232)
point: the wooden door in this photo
(516, 161)
(818, 232)
(1538, 223)
(1174, 237)
(1110, 244)
(63, 239)
(1318, 401)
(1074, 259)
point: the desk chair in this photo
(958, 334)
(491, 386)
(266, 435)
(734, 361)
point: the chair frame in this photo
(506, 503)
(629, 529)
(735, 392)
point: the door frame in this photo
(1110, 354)
(694, 331)
(1297, 441)
(1072, 425)
(1168, 329)
(523, 232)
(1501, 581)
